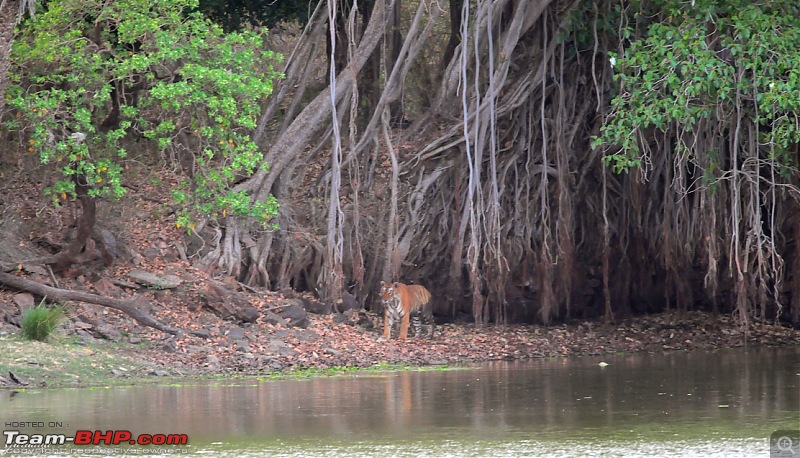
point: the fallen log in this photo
(128, 307)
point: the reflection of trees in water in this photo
(549, 397)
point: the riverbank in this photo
(231, 329)
(332, 341)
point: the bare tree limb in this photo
(132, 308)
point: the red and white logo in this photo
(85, 437)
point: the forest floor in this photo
(96, 345)
(142, 355)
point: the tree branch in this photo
(132, 308)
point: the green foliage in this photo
(707, 62)
(91, 76)
(39, 322)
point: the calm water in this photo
(724, 403)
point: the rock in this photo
(84, 338)
(159, 373)
(143, 304)
(7, 313)
(134, 340)
(105, 287)
(364, 320)
(272, 318)
(169, 347)
(194, 349)
(13, 320)
(305, 335)
(295, 315)
(347, 302)
(316, 307)
(226, 303)
(107, 332)
(163, 295)
(277, 346)
(82, 325)
(278, 342)
(270, 363)
(208, 319)
(248, 314)
(36, 270)
(152, 253)
(157, 281)
(202, 333)
(212, 360)
(347, 317)
(236, 334)
(243, 347)
(109, 242)
(24, 301)
(136, 258)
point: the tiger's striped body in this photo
(404, 303)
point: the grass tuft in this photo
(38, 322)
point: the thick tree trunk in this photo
(316, 115)
(302, 132)
(498, 187)
(85, 227)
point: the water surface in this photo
(723, 403)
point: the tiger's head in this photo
(388, 291)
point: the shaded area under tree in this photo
(490, 192)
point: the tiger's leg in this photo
(416, 321)
(427, 318)
(387, 324)
(404, 326)
(424, 321)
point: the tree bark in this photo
(306, 127)
(85, 226)
(313, 117)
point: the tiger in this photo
(403, 302)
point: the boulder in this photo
(273, 318)
(230, 304)
(294, 314)
(157, 281)
(106, 287)
(312, 306)
(24, 301)
(236, 334)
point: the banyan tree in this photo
(534, 160)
